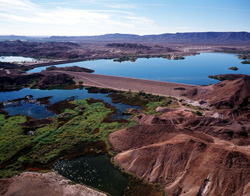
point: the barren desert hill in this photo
(183, 161)
(189, 154)
(232, 94)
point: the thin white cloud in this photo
(121, 6)
(140, 20)
(108, 4)
(25, 17)
(17, 3)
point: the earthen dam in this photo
(126, 84)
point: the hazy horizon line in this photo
(126, 34)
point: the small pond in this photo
(95, 171)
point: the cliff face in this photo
(54, 80)
(191, 155)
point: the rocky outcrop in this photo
(53, 80)
(9, 81)
(34, 80)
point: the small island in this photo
(246, 62)
(233, 68)
(173, 57)
(125, 58)
(71, 68)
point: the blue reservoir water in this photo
(191, 70)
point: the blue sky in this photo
(96, 17)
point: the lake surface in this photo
(39, 111)
(191, 70)
(12, 59)
(96, 172)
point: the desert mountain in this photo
(190, 38)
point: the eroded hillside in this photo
(190, 154)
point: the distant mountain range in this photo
(195, 38)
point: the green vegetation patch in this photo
(193, 107)
(147, 101)
(12, 138)
(125, 58)
(71, 129)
